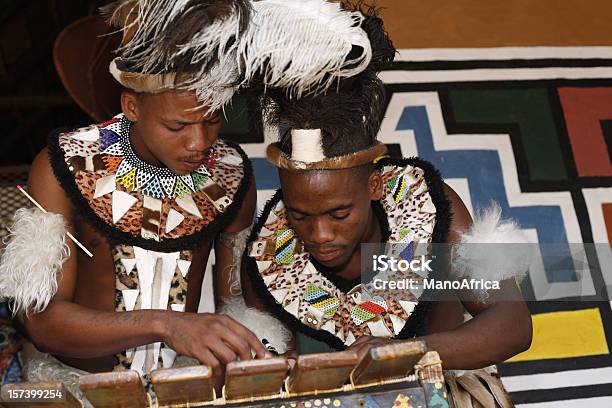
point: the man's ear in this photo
(130, 104)
(375, 186)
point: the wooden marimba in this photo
(402, 374)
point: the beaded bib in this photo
(309, 301)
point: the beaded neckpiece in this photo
(311, 301)
(132, 173)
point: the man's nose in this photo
(320, 231)
(199, 139)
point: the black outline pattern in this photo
(573, 184)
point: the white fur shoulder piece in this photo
(493, 249)
(262, 324)
(35, 252)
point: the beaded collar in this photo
(313, 303)
(135, 174)
(151, 207)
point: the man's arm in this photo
(66, 328)
(230, 245)
(498, 330)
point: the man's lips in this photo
(191, 164)
(325, 255)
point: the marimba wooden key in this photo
(388, 362)
(118, 389)
(254, 378)
(187, 385)
(321, 372)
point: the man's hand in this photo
(214, 340)
(363, 344)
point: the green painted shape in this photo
(530, 110)
(436, 397)
(311, 290)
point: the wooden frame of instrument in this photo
(404, 354)
(328, 366)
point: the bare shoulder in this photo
(45, 188)
(244, 217)
(461, 218)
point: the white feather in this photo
(262, 324)
(302, 45)
(476, 258)
(35, 252)
(150, 24)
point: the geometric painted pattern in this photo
(397, 185)
(538, 143)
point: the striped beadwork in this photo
(367, 311)
(321, 300)
(397, 186)
(285, 246)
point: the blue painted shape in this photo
(407, 252)
(483, 170)
(266, 175)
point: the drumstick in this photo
(40, 207)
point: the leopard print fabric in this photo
(411, 215)
(124, 257)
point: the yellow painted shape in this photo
(567, 334)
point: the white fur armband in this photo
(35, 252)
(262, 324)
(475, 257)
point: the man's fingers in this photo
(238, 345)
(207, 358)
(222, 351)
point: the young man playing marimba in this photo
(339, 190)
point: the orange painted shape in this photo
(584, 108)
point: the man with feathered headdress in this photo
(339, 190)
(153, 189)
